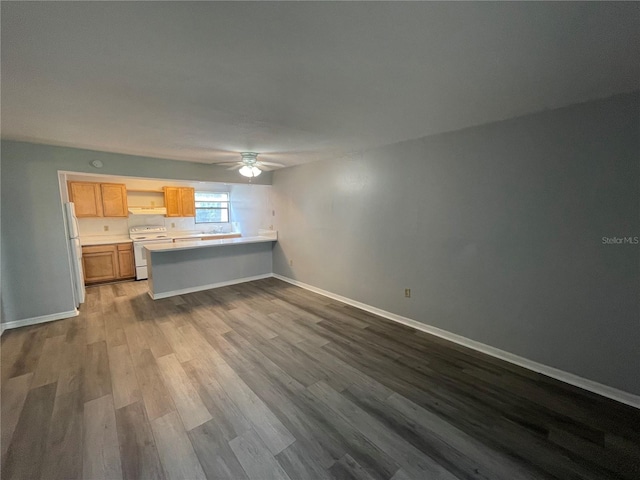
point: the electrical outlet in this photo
(106, 228)
(173, 225)
(291, 263)
(407, 293)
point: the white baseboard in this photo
(35, 320)
(183, 291)
(595, 387)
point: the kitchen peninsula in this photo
(191, 266)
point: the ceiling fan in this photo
(250, 166)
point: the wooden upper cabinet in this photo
(114, 200)
(99, 199)
(87, 198)
(172, 201)
(180, 201)
(188, 201)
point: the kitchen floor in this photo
(265, 380)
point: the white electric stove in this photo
(144, 235)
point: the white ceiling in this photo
(298, 81)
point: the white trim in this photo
(42, 319)
(199, 288)
(595, 387)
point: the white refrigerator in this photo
(73, 235)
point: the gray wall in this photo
(497, 230)
(251, 207)
(35, 264)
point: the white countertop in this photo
(192, 233)
(265, 236)
(198, 235)
(187, 235)
(88, 240)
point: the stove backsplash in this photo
(120, 226)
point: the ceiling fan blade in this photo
(236, 167)
(225, 164)
(271, 164)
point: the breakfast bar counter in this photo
(191, 266)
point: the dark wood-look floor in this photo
(267, 381)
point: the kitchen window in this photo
(212, 207)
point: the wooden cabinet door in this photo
(87, 199)
(126, 263)
(114, 200)
(172, 201)
(188, 201)
(100, 263)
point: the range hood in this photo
(147, 210)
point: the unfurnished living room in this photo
(320, 240)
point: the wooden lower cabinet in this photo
(126, 262)
(106, 263)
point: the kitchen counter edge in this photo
(104, 240)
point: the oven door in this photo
(141, 258)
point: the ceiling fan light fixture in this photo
(250, 172)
